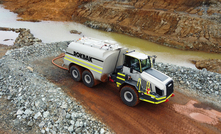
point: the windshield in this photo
(145, 64)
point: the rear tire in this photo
(129, 96)
(88, 78)
(76, 73)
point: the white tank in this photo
(98, 56)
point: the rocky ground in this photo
(204, 84)
(31, 104)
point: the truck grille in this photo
(159, 92)
(169, 87)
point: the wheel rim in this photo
(87, 78)
(75, 73)
(128, 96)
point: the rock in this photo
(64, 105)
(72, 122)
(194, 11)
(102, 131)
(29, 20)
(216, 87)
(75, 32)
(9, 97)
(200, 13)
(16, 122)
(38, 114)
(19, 112)
(47, 129)
(41, 125)
(68, 116)
(42, 131)
(204, 69)
(182, 82)
(5, 29)
(78, 130)
(73, 115)
(1, 78)
(52, 131)
(71, 129)
(109, 30)
(79, 123)
(46, 114)
(98, 25)
(30, 123)
(28, 112)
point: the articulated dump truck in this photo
(94, 61)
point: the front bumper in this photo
(155, 99)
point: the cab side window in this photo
(130, 61)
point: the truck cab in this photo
(142, 81)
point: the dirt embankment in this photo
(188, 25)
(213, 65)
(36, 10)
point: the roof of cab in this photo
(137, 55)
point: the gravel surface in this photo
(37, 105)
(204, 84)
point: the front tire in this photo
(129, 96)
(76, 73)
(88, 79)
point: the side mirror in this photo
(154, 57)
(153, 61)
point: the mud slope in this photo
(56, 10)
(184, 25)
(188, 25)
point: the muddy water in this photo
(200, 114)
(59, 31)
(164, 54)
(7, 37)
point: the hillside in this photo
(187, 25)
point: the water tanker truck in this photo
(94, 61)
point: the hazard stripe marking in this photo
(83, 65)
(84, 62)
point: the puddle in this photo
(203, 115)
(8, 37)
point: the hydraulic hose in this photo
(60, 56)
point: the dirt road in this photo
(181, 114)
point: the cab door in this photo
(132, 67)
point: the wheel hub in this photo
(75, 73)
(128, 96)
(87, 78)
